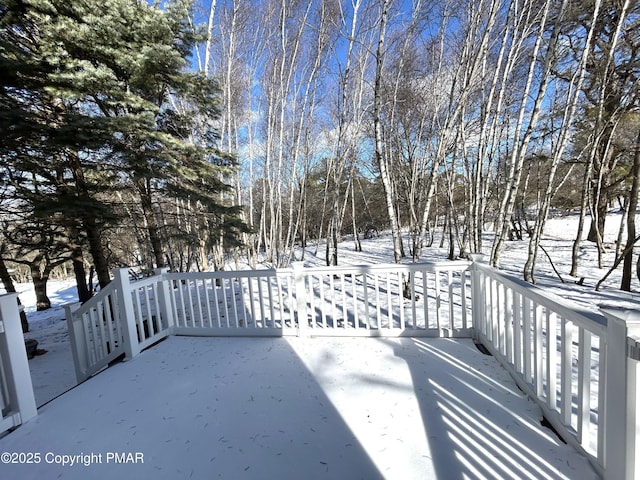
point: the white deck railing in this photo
(580, 366)
(574, 362)
(17, 401)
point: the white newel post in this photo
(164, 300)
(621, 438)
(301, 302)
(14, 359)
(78, 343)
(129, 331)
(477, 300)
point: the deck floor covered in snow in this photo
(295, 408)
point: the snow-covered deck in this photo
(289, 408)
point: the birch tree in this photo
(574, 89)
(382, 161)
(523, 130)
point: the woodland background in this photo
(193, 135)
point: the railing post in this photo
(14, 360)
(621, 438)
(78, 343)
(127, 316)
(301, 302)
(164, 300)
(477, 300)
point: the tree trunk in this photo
(599, 210)
(80, 273)
(96, 249)
(380, 154)
(146, 202)
(40, 286)
(77, 260)
(631, 220)
(354, 223)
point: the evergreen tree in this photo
(89, 105)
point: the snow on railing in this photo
(234, 303)
(570, 360)
(17, 401)
(419, 299)
(121, 320)
(427, 299)
(95, 331)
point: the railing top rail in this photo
(456, 265)
(93, 301)
(228, 274)
(145, 282)
(588, 319)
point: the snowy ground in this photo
(297, 408)
(53, 372)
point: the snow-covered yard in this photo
(296, 408)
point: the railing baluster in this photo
(137, 310)
(192, 316)
(449, 301)
(499, 321)
(517, 331)
(207, 300)
(537, 352)
(293, 303)
(403, 320)
(102, 346)
(233, 301)
(602, 426)
(376, 282)
(584, 386)
(271, 309)
(109, 322)
(528, 371)
(463, 299)
(216, 300)
(252, 301)
(343, 300)
(508, 324)
(261, 303)
(365, 297)
(227, 297)
(89, 337)
(196, 285)
(390, 320)
(488, 311)
(552, 361)
(183, 308)
(495, 314)
(425, 298)
(436, 292)
(356, 306)
(241, 292)
(566, 371)
(156, 303)
(147, 304)
(323, 304)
